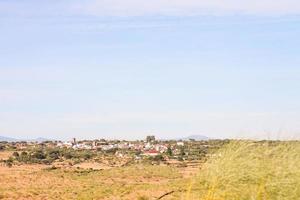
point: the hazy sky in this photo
(129, 68)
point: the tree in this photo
(150, 138)
(169, 151)
(182, 153)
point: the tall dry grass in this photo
(248, 170)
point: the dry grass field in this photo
(132, 182)
(241, 170)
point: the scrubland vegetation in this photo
(246, 170)
(235, 170)
(49, 155)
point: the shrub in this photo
(24, 153)
(53, 154)
(180, 158)
(39, 154)
(16, 154)
(157, 158)
(9, 162)
(68, 155)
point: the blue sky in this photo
(126, 69)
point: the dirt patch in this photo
(4, 155)
(91, 165)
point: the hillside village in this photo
(111, 152)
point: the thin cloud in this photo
(127, 8)
(187, 7)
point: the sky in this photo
(124, 69)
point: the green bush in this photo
(39, 154)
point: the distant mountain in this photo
(7, 139)
(191, 137)
(196, 137)
(40, 139)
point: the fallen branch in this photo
(166, 194)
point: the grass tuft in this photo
(248, 170)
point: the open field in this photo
(240, 170)
(133, 182)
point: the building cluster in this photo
(186, 149)
(140, 149)
(148, 147)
